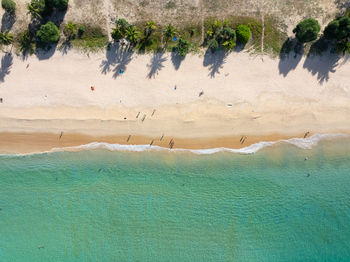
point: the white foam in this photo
(304, 143)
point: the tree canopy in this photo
(6, 38)
(243, 33)
(120, 30)
(338, 29)
(9, 6)
(48, 33)
(307, 30)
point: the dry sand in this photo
(260, 97)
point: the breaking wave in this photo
(304, 143)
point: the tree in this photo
(48, 33)
(36, 8)
(121, 26)
(9, 6)
(243, 34)
(6, 38)
(150, 27)
(307, 30)
(338, 29)
(169, 32)
(182, 47)
(213, 45)
(70, 30)
(132, 35)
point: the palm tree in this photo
(34, 10)
(6, 38)
(169, 32)
(132, 35)
(150, 27)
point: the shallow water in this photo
(164, 206)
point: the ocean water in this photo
(100, 205)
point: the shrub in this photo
(61, 4)
(182, 47)
(70, 30)
(243, 33)
(342, 47)
(227, 38)
(338, 29)
(9, 6)
(25, 41)
(48, 33)
(81, 30)
(307, 30)
(213, 45)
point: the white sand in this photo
(54, 94)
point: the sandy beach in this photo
(201, 102)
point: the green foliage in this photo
(93, 39)
(9, 6)
(81, 30)
(61, 4)
(48, 33)
(307, 30)
(343, 47)
(132, 35)
(25, 40)
(36, 8)
(347, 13)
(150, 27)
(227, 38)
(121, 27)
(6, 38)
(338, 29)
(243, 33)
(169, 32)
(70, 30)
(182, 47)
(213, 45)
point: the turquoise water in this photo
(159, 206)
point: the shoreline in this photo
(31, 143)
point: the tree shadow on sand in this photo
(6, 64)
(214, 61)
(65, 47)
(322, 66)
(290, 56)
(7, 21)
(156, 64)
(117, 59)
(45, 51)
(176, 59)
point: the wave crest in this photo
(304, 143)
